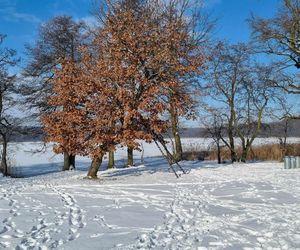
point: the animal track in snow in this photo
(9, 230)
(198, 217)
(75, 214)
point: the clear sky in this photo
(232, 15)
(19, 19)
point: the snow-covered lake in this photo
(25, 154)
(240, 206)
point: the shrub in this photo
(268, 152)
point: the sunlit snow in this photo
(240, 206)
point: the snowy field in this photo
(25, 154)
(240, 206)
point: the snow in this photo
(25, 154)
(233, 206)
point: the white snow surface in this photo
(26, 153)
(230, 206)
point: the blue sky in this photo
(19, 19)
(232, 15)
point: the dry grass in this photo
(273, 152)
(193, 152)
(195, 155)
(270, 152)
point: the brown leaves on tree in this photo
(124, 85)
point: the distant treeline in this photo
(274, 129)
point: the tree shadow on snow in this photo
(42, 169)
(34, 170)
(151, 165)
(154, 165)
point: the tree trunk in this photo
(4, 166)
(244, 154)
(176, 135)
(231, 129)
(130, 157)
(72, 161)
(111, 159)
(284, 140)
(142, 155)
(169, 156)
(219, 152)
(232, 147)
(69, 160)
(95, 165)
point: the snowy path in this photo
(232, 207)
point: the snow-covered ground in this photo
(240, 206)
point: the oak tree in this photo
(123, 82)
(60, 37)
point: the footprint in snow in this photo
(4, 244)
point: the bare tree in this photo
(280, 36)
(60, 37)
(214, 125)
(283, 117)
(241, 89)
(227, 71)
(257, 93)
(8, 123)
